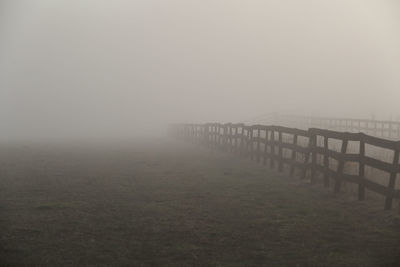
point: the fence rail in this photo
(298, 149)
(385, 129)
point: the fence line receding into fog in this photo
(386, 129)
(308, 152)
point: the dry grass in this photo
(178, 205)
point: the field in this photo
(166, 203)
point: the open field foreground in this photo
(179, 205)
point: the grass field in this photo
(178, 205)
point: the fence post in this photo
(233, 139)
(251, 143)
(361, 169)
(307, 155)
(313, 158)
(266, 146)
(248, 140)
(196, 133)
(338, 176)
(220, 136)
(229, 137)
(293, 155)
(193, 133)
(243, 143)
(258, 144)
(226, 138)
(326, 162)
(392, 181)
(217, 136)
(272, 150)
(216, 132)
(280, 151)
(237, 139)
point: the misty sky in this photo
(121, 68)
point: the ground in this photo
(178, 205)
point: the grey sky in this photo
(121, 68)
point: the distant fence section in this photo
(306, 152)
(378, 128)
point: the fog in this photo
(122, 69)
(103, 163)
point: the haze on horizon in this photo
(118, 69)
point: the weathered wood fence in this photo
(384, 129)
(299, 150)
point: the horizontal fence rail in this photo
(385, 129)
(313, 151)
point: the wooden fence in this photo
(298, 150)
(384, 129)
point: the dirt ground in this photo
(171, 204)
